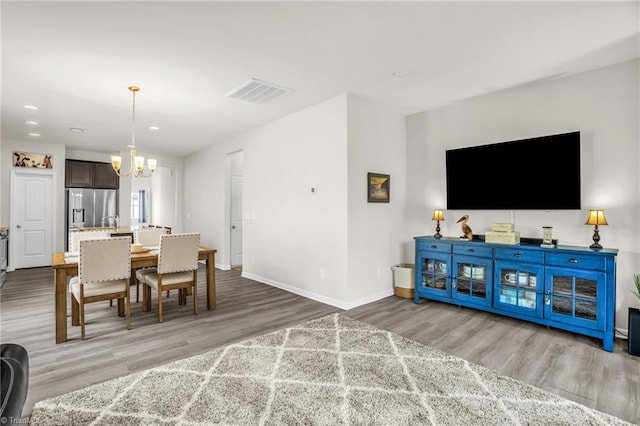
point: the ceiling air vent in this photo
(257, 92)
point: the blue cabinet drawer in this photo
(575, 260)
(519, 255)
(475, 250)
(434, 246)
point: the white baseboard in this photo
(319, 297)
(621, 333)
(223, 267)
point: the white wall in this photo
(204, 198)
(294, 239)
(376, 144)
(602, 104)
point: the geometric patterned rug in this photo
(329, 371)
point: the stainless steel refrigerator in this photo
(90, 208)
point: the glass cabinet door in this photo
(575, 296)
(472, 280)
(434, 274)
(519, 287)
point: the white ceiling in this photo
(75, 60)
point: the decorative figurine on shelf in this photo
(466, 229)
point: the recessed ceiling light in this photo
(31, 123)
(34, 134)
(154, 128)
(76, 129)
(30, 107)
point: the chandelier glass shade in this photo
(136, 166)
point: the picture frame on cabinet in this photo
(378, 188)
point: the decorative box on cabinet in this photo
(570, 288)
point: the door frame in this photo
(12, 220)
(232, 195)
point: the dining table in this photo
(65, 267)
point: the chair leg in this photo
(75, 311)
(195, 293)
(137, 290)
(159, 298)
(81, 301)
(146, 297)
(128, 308)
(167, 293)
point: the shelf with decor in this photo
(565, 287)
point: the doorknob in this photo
(18, 226)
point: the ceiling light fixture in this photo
(76, 129)
(30, 107)
(34, 134)
(137, 162)
(31, 122)
(154, 128)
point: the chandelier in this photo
(137, 162)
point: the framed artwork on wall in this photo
(378, 188)
(32, 159)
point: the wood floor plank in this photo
(567, 364)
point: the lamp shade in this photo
(116, 161)
(438, 215)
(596, 217)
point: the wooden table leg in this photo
(60, 290)
(211, 281)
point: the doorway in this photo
(32, 215)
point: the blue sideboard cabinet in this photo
(566, 287)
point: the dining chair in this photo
(167, 228)
(148, 237)
(85, 235)
(104, 270)
(177, 269)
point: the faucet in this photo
(115, 218)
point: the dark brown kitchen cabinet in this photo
(105, 177)
(89, 174)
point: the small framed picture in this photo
(378, 188)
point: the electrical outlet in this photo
(322, 274)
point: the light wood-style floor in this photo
(567, 364)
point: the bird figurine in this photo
(466, 229)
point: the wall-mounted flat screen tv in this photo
(541, 173)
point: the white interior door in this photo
(31, 219)
(236, 220)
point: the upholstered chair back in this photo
(178, 252)
(85, 235)
(104, 259)
(149, 237)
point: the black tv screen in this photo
(541, 173)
